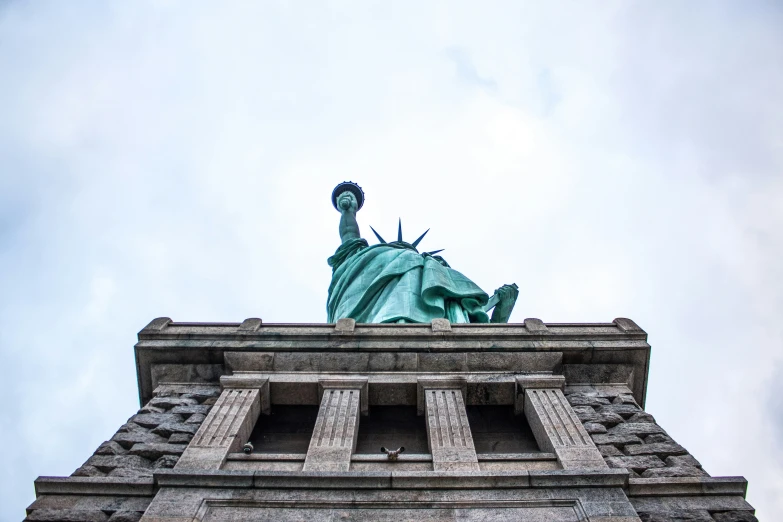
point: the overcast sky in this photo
(614, 159)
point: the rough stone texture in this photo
(196, 418)
(151, 420)
(110, 447)
(155, 451)
(682, 460)
(131, 455)
(607, 450)
(129, 439)
(661, 449)
(67, 515)
(125, 516)
(88, 471)
(168, 428)
(637, 464)
(617, 440)
(594, 427)
(735, 516)
(187, 411)
(635, 442)
(180, 438)
(701, 515)
(657, 437)
(681, 471)
(641, 417)
(166, 461)
(135, 473)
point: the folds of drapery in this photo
(390, 283)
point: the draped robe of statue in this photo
(392, 282)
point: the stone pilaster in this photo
(450, 440)
(334, 436)
(555, 424)
(226, 428)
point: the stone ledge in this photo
(658, 487)
(393, 480)
(164, 327)
(516, 456)
(94, 486)
(380, 457)
(267, 456)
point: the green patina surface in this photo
(393, 282)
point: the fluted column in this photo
(227, 427)
(449, 436)
(334, 436)
(554, 423)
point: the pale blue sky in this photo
(176, 159)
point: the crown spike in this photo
(416, 243)
(399, 231)
(435, 251)
(378, 236)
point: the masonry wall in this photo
(123, 466)
(628, 437)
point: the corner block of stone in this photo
(616, 439)
(158, 324)
(441, 325)
(110, 447)
(155, 451)
(345, 384)
(440, 383)
(251, 324)
(678, 461)
(125, 516)
(88, 471)
(636, 428)
(536, 326)
(169, 428)
(345, 326)
(735, 516)
(680, 471)
(528, 382)
(661, 449)
(627, 326)
(635, 463)
(151, 420)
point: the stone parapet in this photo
(202, 352)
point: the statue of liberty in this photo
(394, 283)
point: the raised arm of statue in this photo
(347, 205)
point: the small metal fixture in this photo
(392, 455)
(248, 448)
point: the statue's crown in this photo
(400, 241)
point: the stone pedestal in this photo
(591, 454)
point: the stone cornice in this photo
(592, 353)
